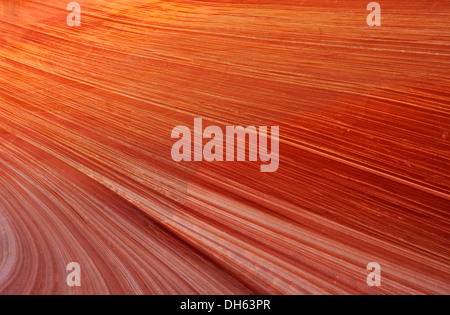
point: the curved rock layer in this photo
(86, 115)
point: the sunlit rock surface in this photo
(86, 115)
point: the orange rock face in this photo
(86, 115)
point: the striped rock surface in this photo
(86, 115)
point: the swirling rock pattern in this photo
(86, 173)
